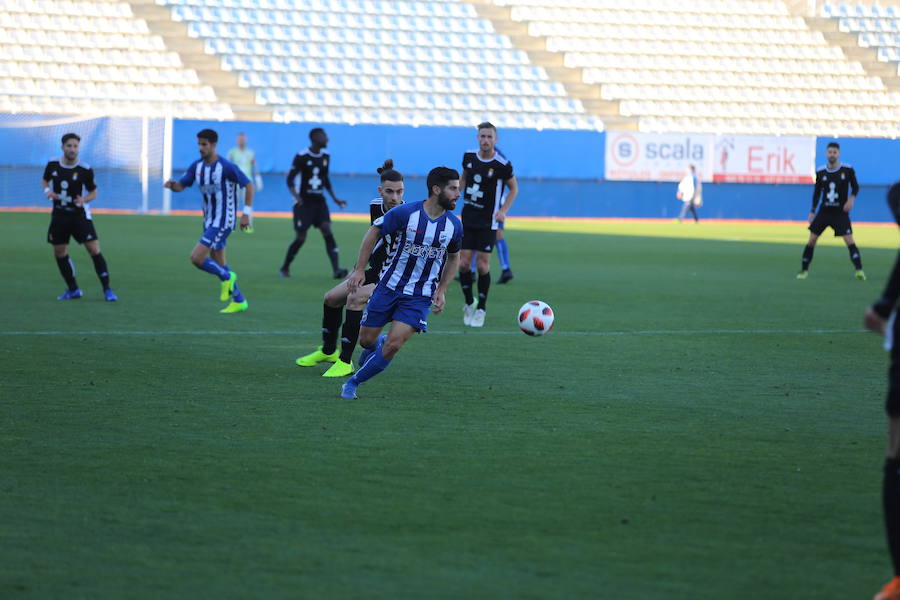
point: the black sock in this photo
(67, 271)
(484, 284)
(854, 256)
(292, 251)
(807, 257)
(465, 282)
(331, 322)
(332, 250)
(890, 496)
(350, 333)
(100, 268)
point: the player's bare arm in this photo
(338, 201)
(874, 322)
(48, 191)
(438, 300)
(513, 186)
(357, 277)
(82, 200)
(849, 205)
(248, 207)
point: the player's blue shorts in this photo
(215, 238)
(386, 305)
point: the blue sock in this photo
(211, 266)
(375, 364)
(236, 295)
(503, 254)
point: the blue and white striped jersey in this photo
(422, 247)
(219, 183)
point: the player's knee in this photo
(391, 348)
(334, 299)
(367, 339)
(357, 301)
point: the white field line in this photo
(662, 332)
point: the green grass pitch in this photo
(698, 425)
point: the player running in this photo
(390, 194)
(65, 181)
(833, 181)
(219, 181)
(414, 279)
(486, 173)
(307, 181)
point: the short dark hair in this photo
(440, 176)
(314, 131)
(486, 125)
(70, 136)
(208, 134)
(388, 173)
(834, 145)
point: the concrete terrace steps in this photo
(193, 56)
(553, 63)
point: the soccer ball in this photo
(535, 318)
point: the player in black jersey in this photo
(307, 181)
(836, 187)
(485, 175)
(390, 194)
(881, 318)
(70, 185)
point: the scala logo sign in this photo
(765, 159)
(657, 156)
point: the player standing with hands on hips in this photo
(836, 187)
(219, 181)
(65, 181)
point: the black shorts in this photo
(838, 220)
(372, 276)
(74, 224)
(312, 213)
(480, 239)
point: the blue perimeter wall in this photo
(560, 173)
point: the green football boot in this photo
(339, 369)
(314, 358)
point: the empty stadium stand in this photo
(418, 62)
(710, 65)
(739, 66)
(87, 57)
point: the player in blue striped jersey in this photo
(416, 277)
(390, 195)
(219, 181)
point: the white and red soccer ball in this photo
(535, 318)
